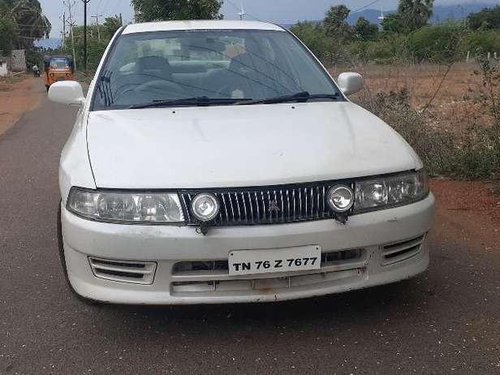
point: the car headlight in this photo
(395, 190)
(126, 207)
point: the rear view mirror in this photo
(67, 92)
(350, 83)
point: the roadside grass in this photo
(449, 114)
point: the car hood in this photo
(224, 146)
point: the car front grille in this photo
(266, 205)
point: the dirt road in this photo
(445, 321)
(18, 96)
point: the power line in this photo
(365, 6)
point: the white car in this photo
(218, 162)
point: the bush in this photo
(388, 50)
(478, 157)
(439, 43)
(473, 154)
(479, 42)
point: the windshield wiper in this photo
(300, 97)
(200, 101)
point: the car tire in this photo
(62, 258)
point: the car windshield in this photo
(209, 67)
(59, 63)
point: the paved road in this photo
(445, 321)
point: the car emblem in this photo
(273, 207)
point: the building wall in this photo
(3, 69)
(18, 60)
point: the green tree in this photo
(414, 14)
(313, 35)
(95, 47)
(392, 24)
(336, 24)
(29, 18)
(8, 36)
(110, 26)
(365, 31)
(486, 19)
(157, 10)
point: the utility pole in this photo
(85, 2)
(97, 16)
(69, 4)
(63, 32)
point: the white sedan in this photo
(218, 162)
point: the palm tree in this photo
(415, 14)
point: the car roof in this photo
(199, 25)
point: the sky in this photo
(277, 11)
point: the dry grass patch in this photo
(447, 113)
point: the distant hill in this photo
(457, 12)
(441, 13)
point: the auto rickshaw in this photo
(58, 68)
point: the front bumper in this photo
(376, 234)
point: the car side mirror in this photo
(67, 92)
(350, 83)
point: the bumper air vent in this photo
(398, 252)
(124, 271)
